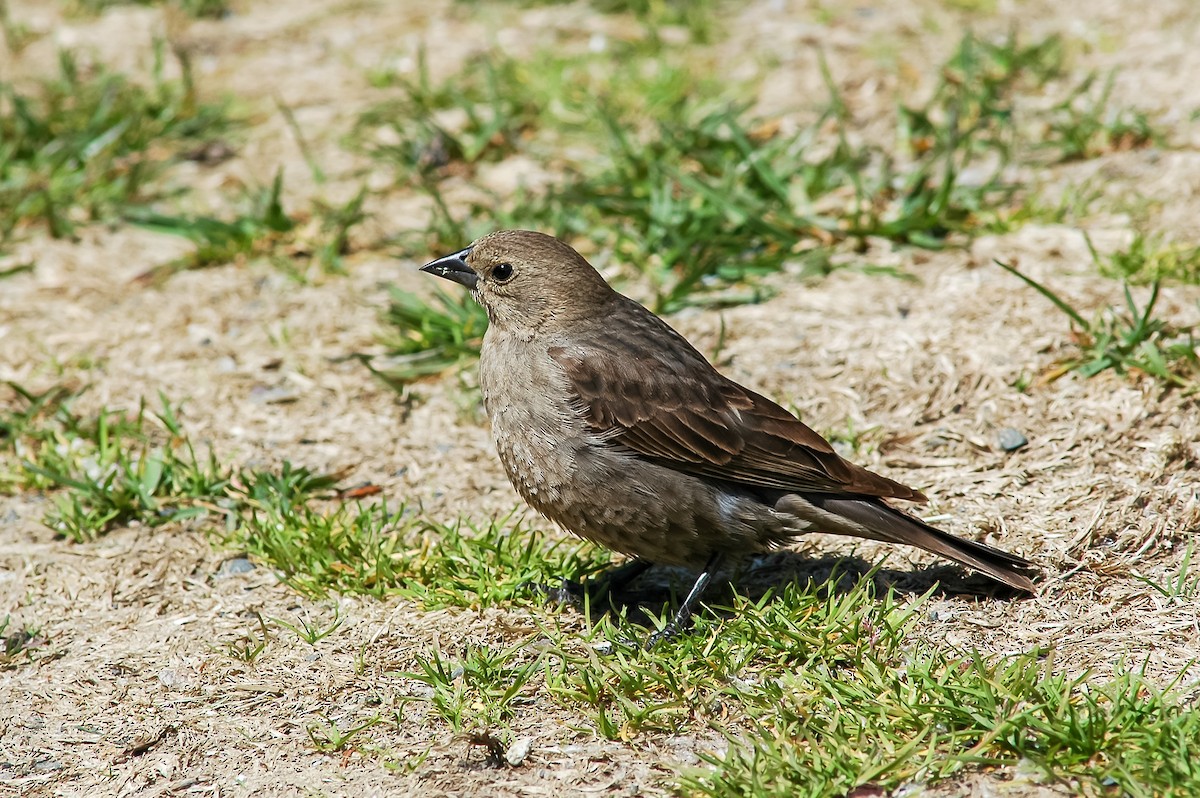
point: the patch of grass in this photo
(852, 441)
(263, 229)
(479, 115)
(821, 693)
(17, 34)
(89, 143)
(1150, 258)
(311, 632)
(714, 197)
(210, 9)
(1127, 341)
(1185, 584)
(247, 647)
(25, 420)
(961, 141)
(19, 645)
(707, 677)
(430, 336)
(1085, 125)
(334, 224)
(328, 737)
(367, 549)
(697, 17)
(479, 690)
(924, 716)
(115, 468)
(19, 268)
(257, 231)
(497, 106)
(1059, 204)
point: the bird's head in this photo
(526, 281)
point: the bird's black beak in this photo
(454, 267)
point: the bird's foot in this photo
(669, 632)
(682, 620)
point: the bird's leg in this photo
(683, 615)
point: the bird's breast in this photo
(538, 433)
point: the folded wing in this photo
(673, 407)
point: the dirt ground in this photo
(1105, 491)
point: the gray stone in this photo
(1012, 439)
(235, 566)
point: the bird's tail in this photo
(892, 526)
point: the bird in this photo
(610, 423)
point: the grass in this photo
(1185, 585)
(702, 203)
(311, 632)
(19, 646)
(201, 9)
(430, 336)
(263, 229)
(257, 231)
(1085, 125)
(118, 468)
(698, 18)
(479, 689)
(115, 469)
(413, 132)
(327, 737)
(88, 143)
(805, 691)
(370, 550)
(1127, 340)
(929, 715)
(1150, 258)
(823, 693)
(17, 33)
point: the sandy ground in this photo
(139, 696)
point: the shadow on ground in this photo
(660, 589)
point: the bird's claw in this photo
(663, 635)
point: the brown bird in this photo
(611, 424)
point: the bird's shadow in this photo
(660, 588)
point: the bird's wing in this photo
(670, 405)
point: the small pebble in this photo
(264, 395)
(518, 751)
(938, 439)
(235, 566)
(1012, 439)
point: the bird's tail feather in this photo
(893, 526)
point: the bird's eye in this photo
(502, 273)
